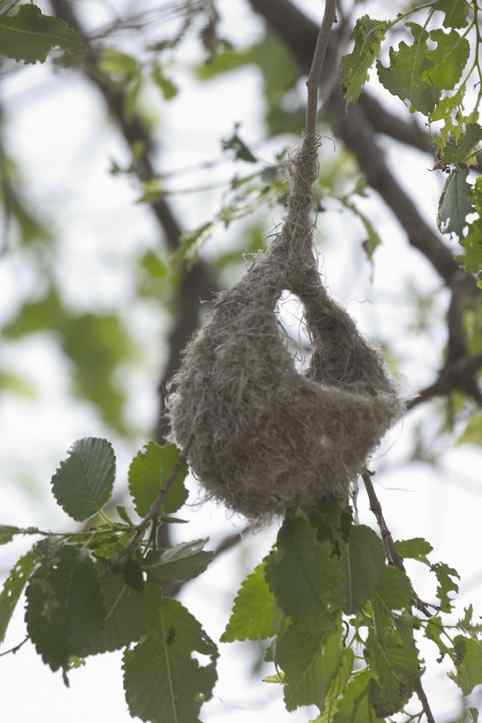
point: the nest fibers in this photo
(261, 436)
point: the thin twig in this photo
(394, 559)
(16, 648)
(313, 82)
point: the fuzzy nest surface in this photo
(261, 436)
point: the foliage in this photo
(29, 35)
(322, 593)
(433, 74)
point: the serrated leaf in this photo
(255, 615)
(446, 584)
(447, 60)
(302, 573)
(405, 74)
(179, 562)
(434, 632)
(337, 686)
(455, 203)
(447, 105)
(392, 656)
(7, 533)
(459, 151)
(354, 706)
(162, 681)
(467, 657)
(472, 433)
(414, 549)
(83, 482)
(368, 35)
(309, 653)
(149, 470)
(29, 35)
(456, 12)
(365, 559)
(64, 606)
(13, 587)
(395, 589)
(128, 613)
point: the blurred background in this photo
(135, 184)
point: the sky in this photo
(59, 132)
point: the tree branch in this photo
(199, 282)
(352, 126)
(459, 376)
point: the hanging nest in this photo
(261, 436)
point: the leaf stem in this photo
(15, 648)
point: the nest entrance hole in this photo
(290, 317)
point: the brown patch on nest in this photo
(263, 437)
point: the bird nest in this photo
(262, 436)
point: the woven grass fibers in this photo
(263, 437)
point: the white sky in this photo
(58, 131)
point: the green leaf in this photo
(459, 151)
(97, 345)
(456, 12)
(368, 35)
(255, 615)
(365, 559)
(455, 203)
(128, 613)
(302, 573)
(83, 482)
(13, 587)
(120, 66)
(309, 653)
(446, 584)
(445, 107)
(180, 562)
(447, 60)
(168, 88)
(467, 658)
(392, 656)
(29, 35)
(149, 470)
(64, 606)
(162, 681)
(405, 75)
(236, 144)
(434, 632)
(414, 549)
(355, 706)
(395, 589)
(472, 243)
(7, 533)
(472, 433)
(337, 687)
(373, 240)
(46, 314)
(226, 61)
